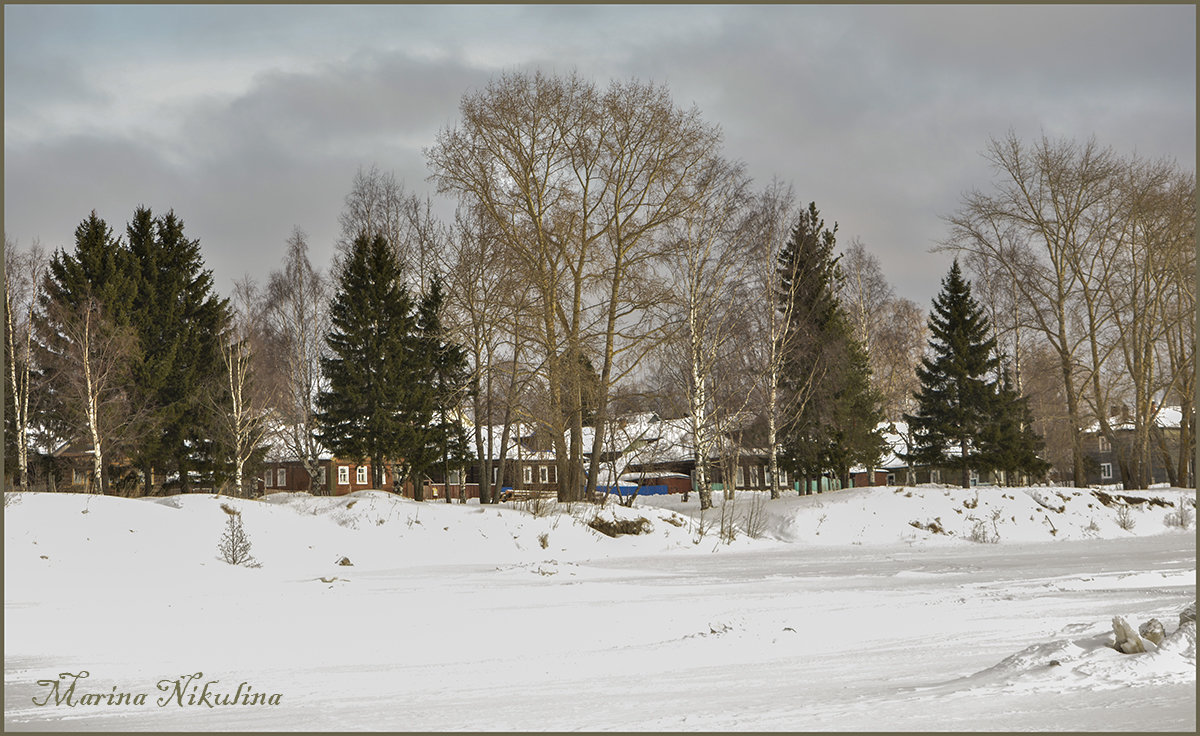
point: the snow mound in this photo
(1087, 663)
(935, 515)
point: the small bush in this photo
(234, 546)
(754, 521)
(1125, 518)
(544, 539)
(1182, 518)
(539, 506)
(934, 526)
(981, 535)
(617, 527)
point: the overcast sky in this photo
(249, 121)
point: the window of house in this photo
(321, 476)
(361, 475)
(891, 479)
(754, 476)
(741, 477)
(269, 478)
(783, 478)
(453, 479)
(973, 476)
(281, 477)
(543, 474)
(495, 474)
(1103, 442)
(1105, 471)
(78, 477)
(527, 474)
(935, 476)
(343, 475)
(553, 473)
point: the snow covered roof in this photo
(894, 437)
(1168, 417)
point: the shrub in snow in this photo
(754, 521)
(1182, 518)
(616, 527)
(234, 546)
(934, 526)
(345, 562)
(980, 533)
(1153, 631)
(544, 539)
(1125, 518)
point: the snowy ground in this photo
(841, 615)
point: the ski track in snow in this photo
(461, 617)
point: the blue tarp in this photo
(627, 490)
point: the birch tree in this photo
(23, 274)
(773, 217)
(297, 315)
(243, 403)
(89, 364)
(708, 262)
(379, 204)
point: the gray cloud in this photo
(249, 120)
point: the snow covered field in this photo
(842, 615)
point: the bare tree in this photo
(490, 303)
(897, 347)
(864, 292)
(243, 403)
(379, 204)
(1142, 292)
(773, 217)
(1036, 225)
(297, 314)
(23, 274)
(1179, 314)
(707, 264)
(88, 364)
(576, 184)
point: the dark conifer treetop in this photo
(965, 420)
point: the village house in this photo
(1103, 457)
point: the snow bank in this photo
(934, 514)
(302, 535)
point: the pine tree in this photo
(956, 399)
(1009, 442)
(85, 308)
(179, 321)
(857, 412)
(446, 363)
(830, 412)
(377, 396)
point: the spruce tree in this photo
(378, 396)
(856, 437)
(956, 399)
(1009, 442)
(179, 320)
(446, 363)
(96, 275)
(830, 412)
